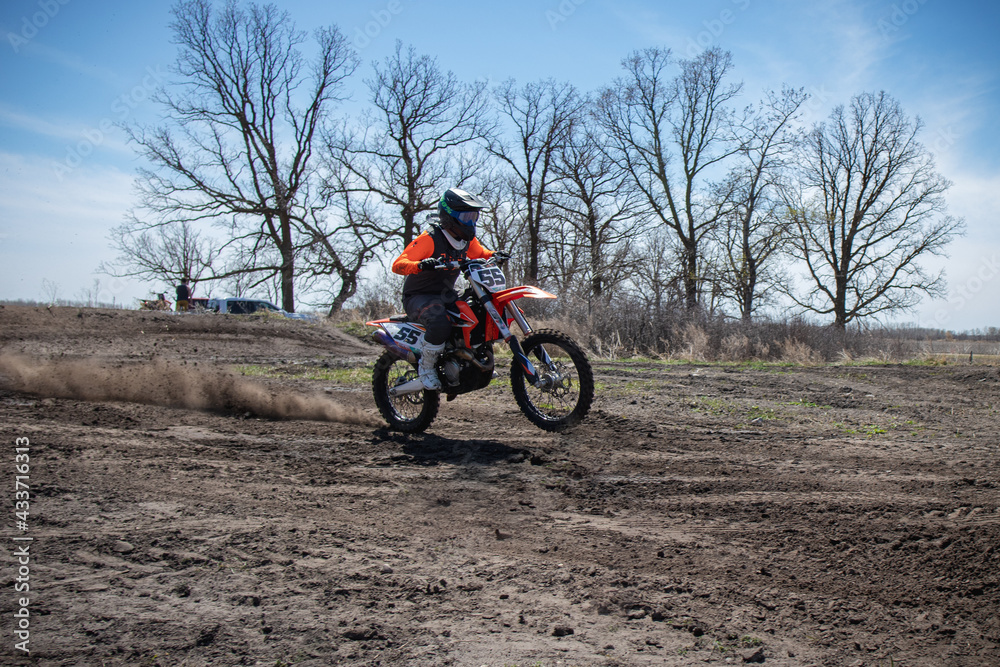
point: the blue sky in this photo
(71, 69)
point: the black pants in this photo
(431, 310)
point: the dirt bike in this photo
(554, 392)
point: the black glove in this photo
(429, 264)
(501, 256)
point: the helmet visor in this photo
(463, 225)
(467, 217)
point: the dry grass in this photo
(736, 347)
(696, 344)
(618, 332)
(799, 353)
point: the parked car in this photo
(242, 306)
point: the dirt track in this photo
(792, 516)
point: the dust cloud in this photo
(170, 384)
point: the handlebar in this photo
(461, 264)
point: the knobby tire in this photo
(542, 410)
(412, 413)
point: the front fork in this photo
(530, 372)
(512, 311)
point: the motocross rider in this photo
(428, 290)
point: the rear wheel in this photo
(566, 390)
(410, 413)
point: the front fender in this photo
(503, 297)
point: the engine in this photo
(464, 370)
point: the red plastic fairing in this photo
(503, 297)
(469, 321)
(492, 332)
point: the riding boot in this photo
(425, 368)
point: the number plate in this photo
(407, 335)
(491, 277)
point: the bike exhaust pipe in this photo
(411, 387)
(466, 355)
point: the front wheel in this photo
(565, 391)
(411, 413)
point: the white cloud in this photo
(856, 47)
(973, 265)
(73, 62)
(79, 137)
(649, 25)
(57, 230)
(36, 125)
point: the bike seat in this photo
(399, 318)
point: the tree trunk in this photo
(840, 303)
(691, 278)
(348, 288)
(597, 282)
(533, 246)
(409, 227)
(749, 280)
(747, 309)
(287, 266)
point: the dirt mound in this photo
(172, 385)
(117, 334)
(703, 514)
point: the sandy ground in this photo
(182, 513)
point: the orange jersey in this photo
(433, 244)
(422, 247)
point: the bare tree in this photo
(236, 147)
(91, 296)
(250, 267)
(170, 253)
(409, 148)
(50, 291)
(869, 208)
(502, 226)
(342, 244)
(754, 230)
(599, 217)
(542, 115)
(668, 133)
(655, 282)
